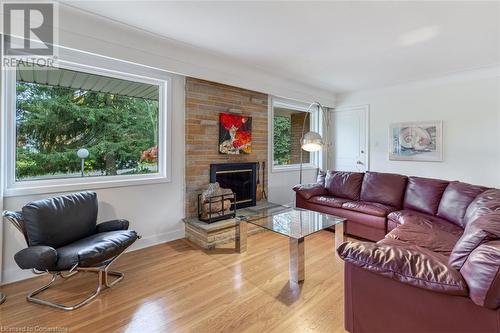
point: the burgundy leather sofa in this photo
(436, 264)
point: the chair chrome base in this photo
(103, 281)
(2, 298)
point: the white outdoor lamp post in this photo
(83, 154)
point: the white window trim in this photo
(315, 160)
(91, 63)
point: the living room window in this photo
(287, 126)
(85, 127)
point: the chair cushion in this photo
(61, 220)
(483, 204)
(436, 237)
(481, 271)
(483, 229)
(95, 249)
(411, 265)
(456, 198)
(344, 184)
(424, 194)
(329, 201)
(384, 188)
(370, 208)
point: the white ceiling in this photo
(338, 46)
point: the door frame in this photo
(366, 110)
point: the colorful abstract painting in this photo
(419, 141)
(235, 134)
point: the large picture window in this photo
(80, 125)
(59, 112)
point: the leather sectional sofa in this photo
(435, 266)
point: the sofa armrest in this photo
(307, 191)
(481, 271)
(407, 264)
(113, 225)
(39, 257)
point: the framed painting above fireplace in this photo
(235, 134)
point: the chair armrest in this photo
(407, 264)
(113, 225)
(307, 191)
(39, 257)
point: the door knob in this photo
(359, 163)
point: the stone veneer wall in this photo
(204, 101)
(296, 122)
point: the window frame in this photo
(315, 125)
(100, 65)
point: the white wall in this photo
(469, 105)
(155, 211)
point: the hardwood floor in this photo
(176, 287)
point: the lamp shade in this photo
(312, 141)
(82, 153)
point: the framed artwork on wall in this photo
(416, 141)
(235, 134)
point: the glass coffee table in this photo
(294, 223)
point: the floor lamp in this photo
(313, 141)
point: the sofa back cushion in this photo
(483, 204)
(456, 198)
(384, 188)
(424, 194)
(481, 271)
(483, 229)
(344, 184)
(61, 220)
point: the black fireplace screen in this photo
(239, 177)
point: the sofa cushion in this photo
(344, 184)
(483, 204)
(424, 194)
(406, 215)
(370, 208)
(307, 191)
(456, 198)
(384, 188)
(329, 201)
(436, 237)
(411, 265)
(483, 229)
(481, 271)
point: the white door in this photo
(350, 138)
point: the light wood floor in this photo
(175, 287)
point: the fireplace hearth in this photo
(241, 178)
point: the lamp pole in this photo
(82, 153)
(313, 141)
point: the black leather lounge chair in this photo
(64, 239)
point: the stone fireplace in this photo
(204, 102)
(239, 177)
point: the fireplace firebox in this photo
(241, 178)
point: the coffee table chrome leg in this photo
(241, 236)
(297, 266)
(2, 298)
(339, 237)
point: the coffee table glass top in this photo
(292, 222)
